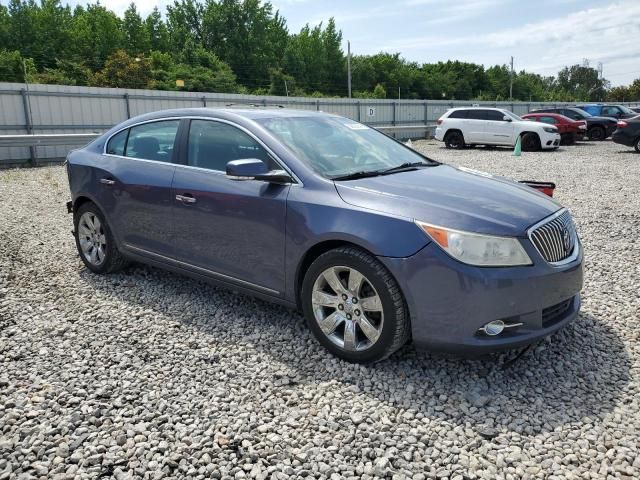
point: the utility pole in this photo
(511, 81)
(398, 92)
(349, 67)
(286, 89)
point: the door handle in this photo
(185, 198)
(107, 181)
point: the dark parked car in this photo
(636, 109)
(628, 133)
(374, 242)
(614, 111)
(598, 128)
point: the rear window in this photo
(152, 141)
(458, 114)
(117, 143)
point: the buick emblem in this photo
(566, 240)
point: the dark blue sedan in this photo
(375, 243)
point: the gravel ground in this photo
(145, 374)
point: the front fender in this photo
(330, 219)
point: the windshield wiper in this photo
(356, 175)
(375, 173)
(406, 166)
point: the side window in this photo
(153, 141)
(477, 114)
(458, 114)
(214, 144)
(117, 143)
(572, 114)
(610, 111)
(495, 116)
(550, 120)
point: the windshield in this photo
(626, 109)
(338, 147)
(579, 111)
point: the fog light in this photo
(493, 328)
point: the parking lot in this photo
(149, 374)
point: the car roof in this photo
(477, 108)
(227, 113)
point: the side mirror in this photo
(506, 118)
(255, 169)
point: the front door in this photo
(233, 230)
(499, 130)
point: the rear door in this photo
(229, 229)
(498, 130)
(475, 126)
(137, 190)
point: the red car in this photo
(570, 130)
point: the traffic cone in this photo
(517, 151)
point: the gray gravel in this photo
(144, 374)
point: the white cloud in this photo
(609, 34)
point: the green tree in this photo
(248, 36)
(584, 82)
(66, 72)
(315, 59)
(123, 71)
(135, 35)
(157, 32)
(184, 23)
(96, 35)
(200, 70)
(12, 66)
(5, 25)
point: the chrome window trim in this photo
(212, 273)
(276, 158)
(544, 221)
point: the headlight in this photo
(477, 249)
(550, 129)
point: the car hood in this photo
(532, 124)
(452, 197)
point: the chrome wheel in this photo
(92, 239)
(347, 308)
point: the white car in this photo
(460, 127)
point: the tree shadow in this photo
(579, 372)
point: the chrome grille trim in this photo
(548, 236)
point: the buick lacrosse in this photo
(375, 243)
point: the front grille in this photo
(555, 239)
(551, 315)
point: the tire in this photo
(531, 142)
(94, 241)
(637, 145)
(597, 134)
(567, 139)
(454, 140)
(383, 315)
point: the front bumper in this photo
(449, 301)
(623, 137)
(549, 140)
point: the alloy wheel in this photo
(92, 238)
(347, 308)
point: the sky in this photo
(542, 35)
